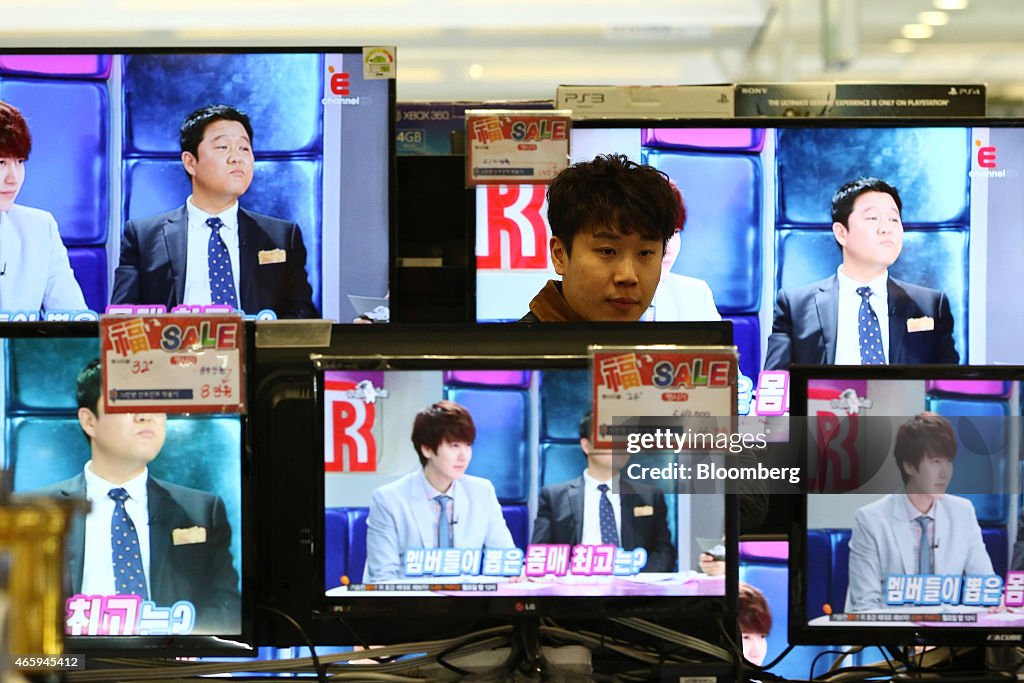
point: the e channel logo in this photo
(985, 160)
(339, 83)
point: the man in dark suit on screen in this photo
(861, 315)
(211, 250)
(143, 536)
(588, 510)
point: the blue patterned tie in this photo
(444, 527)
(869, 331)
(222, 281)
(924, 553)
(606, 516)
(129, 577)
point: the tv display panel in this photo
(185, 499)
(517, 521)
(758, 202)
(106, 155)
(914, 514)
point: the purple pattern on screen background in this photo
(753, 551)
(519, 379)
(969, 387)
(375, 376)
(78, 66)
(734, 139)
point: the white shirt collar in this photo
(592, 483)
(431, 492)
(96, 487)
(913, 513)
(879, 285)
(197, 217)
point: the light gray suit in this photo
(402, 518)
(882, 543)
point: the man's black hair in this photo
(612, 192)
(845, 196)
(194, 125)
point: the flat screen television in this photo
(526, 390)
(758, 199)
(312, 228)
(909, 532)
(187, 488)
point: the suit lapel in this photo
(248, 253)
(827, 302)
(161, 523)
(898, 300)
(576, 507)
(176, 242)
(627, 501)
(76, 535)
(903, 539)
(423, 511)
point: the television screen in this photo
(112, 203)
(156, 557)
(488, 421)
(759, 222)
(912, 517)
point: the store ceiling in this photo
(486, 49)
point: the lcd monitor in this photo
(758, 203)
(103, 217)
(909, 532)
(181, 514)
(525, 389)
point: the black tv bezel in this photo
(492, 346)
(802, 633)
(121, 49)
(235, 644)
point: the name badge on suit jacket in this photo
(643, 511)
(268, 256)
(923, 324)
(188, 536)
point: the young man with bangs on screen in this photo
(438, 505)
(211, 250)
(610, 220)
(862, 315)
(922, 530)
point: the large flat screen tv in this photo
(525, 389)
(101, 215)
(909, 532)
(185, 494)
(758, 200)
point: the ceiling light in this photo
(933, 18)
(901, 46)
(917, 31)
(476, 72)
(950, 4)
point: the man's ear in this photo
(840, 231)
(585, 445)
(87, 420)
(189, 161)
(559, 255)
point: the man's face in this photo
(124, 440)
(755, 647)
(610, 275)
(603, 458)
(873, 236)
(931, 476)
(450, 460)
(12, 175)
(223, 168)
